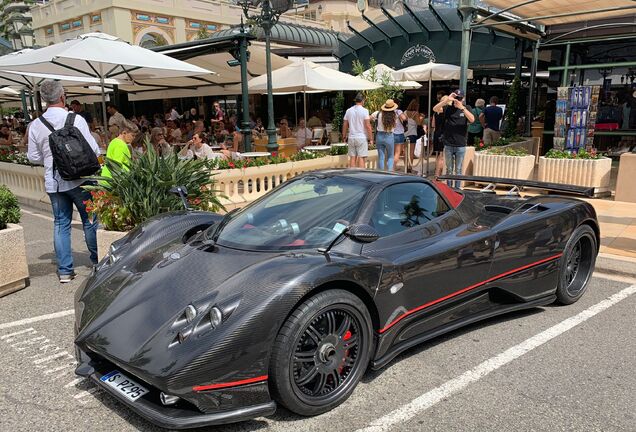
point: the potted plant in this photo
(338, 113)
(590, 169)
(504, 162)
(14, 271)
(141, 189)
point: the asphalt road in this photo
(547, 369)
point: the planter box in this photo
(512, 167)
(625, 190)
(527, 145)
(14, 271)
(104, 239)
(578, 172)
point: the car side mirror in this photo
(182, 193)
(362, 233)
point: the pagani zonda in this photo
(196, 319)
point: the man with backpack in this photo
(62, 142)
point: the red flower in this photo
(231, 165)
(481, 144)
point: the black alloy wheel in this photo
(321, 352)
(577, 265)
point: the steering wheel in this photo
(319, 233)
(283, 227)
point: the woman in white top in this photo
(414, 119)
(303, 134)
(196, 148)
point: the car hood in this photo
(124, 307)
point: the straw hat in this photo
(389, 105)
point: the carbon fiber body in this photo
(486, 255)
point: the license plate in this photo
(124, 385)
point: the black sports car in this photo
(197, 319)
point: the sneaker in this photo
(66, 278)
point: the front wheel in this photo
(577, 265)
(321, 352)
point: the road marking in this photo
(427, 400)
(614, 277)
(9, 336)
(35, 319)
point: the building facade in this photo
(152, 22)
(15, 23)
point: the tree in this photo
(377, 97)
(202, 34)
(338, 110)
(513, 108)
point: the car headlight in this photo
(190, 313)
(216, 317)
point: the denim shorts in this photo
(399, 139)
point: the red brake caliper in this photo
(346, 337)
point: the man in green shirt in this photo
(118, 149)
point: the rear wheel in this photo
(577, 265)
(321, 352)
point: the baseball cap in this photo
(459, 93)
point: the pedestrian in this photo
(119, 148)
(356, 131)
(174, 114)
(491, 119)
(414, 121)
(303, 134)
(476, 129)
(457, 116)
(438, 125)
(62, 193)
(386, 121)
(116, 120)
(76, 106)
(399, 137)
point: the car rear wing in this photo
(519, 185)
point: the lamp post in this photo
(270, 13)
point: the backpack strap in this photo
(46, 123)
(70, 119)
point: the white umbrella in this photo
(99, 55)
(306, 76)
(380, 69)
(429, 72)
(8, 91)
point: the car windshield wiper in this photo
(219, 227)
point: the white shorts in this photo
(358, 147)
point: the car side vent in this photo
(532, 208)
(497, 209)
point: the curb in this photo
(616, 264)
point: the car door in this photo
(431, 258)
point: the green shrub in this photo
(142, 189)
(514, 108)
(9, 207)
(507, 151)
(566, 154)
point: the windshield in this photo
(309, 212)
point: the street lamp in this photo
(270, 13)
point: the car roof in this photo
(377, 177)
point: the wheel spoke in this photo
(305, 379)
(314, 334)
(331, 323)
(350, 343)
(335, 376)
(305, 357)
(320, 383)
(344, 326)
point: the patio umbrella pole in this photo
(104, 118)
(305, 106)
(428, 130)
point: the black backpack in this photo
(73, 157)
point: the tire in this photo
(332, 331)
(577, 265)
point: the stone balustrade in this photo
(239, 186)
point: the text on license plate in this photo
(124, 385)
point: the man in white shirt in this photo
(63, 194)
(303, 134)
(356, 131)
